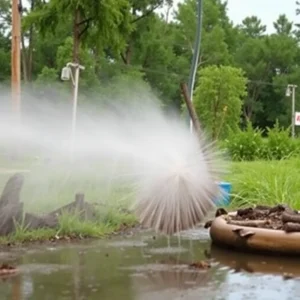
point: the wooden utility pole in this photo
(16, 58)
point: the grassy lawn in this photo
(48, 186)
(265, 182)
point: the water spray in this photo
(180, 196)
(184, 189)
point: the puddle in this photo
(167, 250)
(127, 244)
(42, 268)
(146, 268)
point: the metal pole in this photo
(74, 110)
(195, 56)
(293, 109)
(16, 58)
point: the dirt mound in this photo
(279, 217)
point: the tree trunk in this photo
(128, 54)
(30, 47)
(24, 60)
(24, 57)
(76, 42)
(76, 36)
(27, 53)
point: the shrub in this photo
(279, 144)
(249, 145)
(246, 145)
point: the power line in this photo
(181, 76)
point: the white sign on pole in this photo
(297, 118)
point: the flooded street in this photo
(144, 267)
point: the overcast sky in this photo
(267, 10)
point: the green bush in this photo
(245, 145)
(279, 144)
(249, 145)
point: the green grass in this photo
(48, 187)
(265, 182)
(69, 226)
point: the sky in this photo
(267, 10)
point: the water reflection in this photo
(102, 270)
(251, 263)
(251, 276)
(169, 282)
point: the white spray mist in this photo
(174, 175)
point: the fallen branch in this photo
(291, 227)
(249, 223)
(288, 217)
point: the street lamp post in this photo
(196, 53)
(66, 74)
(291, 88)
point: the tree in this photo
(218, 99)
(214, 49)
(253, 27)
(283, 25)
(153, 52)
(141, 9)
(109, 20)
(5, 46)
(251, 57)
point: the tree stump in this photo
(83, 210)
(11, 210)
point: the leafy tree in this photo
(218, 99)
(109, 20)
(128, 43)
(283, 25)
(251, 58)
(214, 49)
(5, 21)
(253, 27)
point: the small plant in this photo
(71, 225)
(245, 145)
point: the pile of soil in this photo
(279, 217)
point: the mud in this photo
(139, 268)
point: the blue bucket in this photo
(225, 188)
